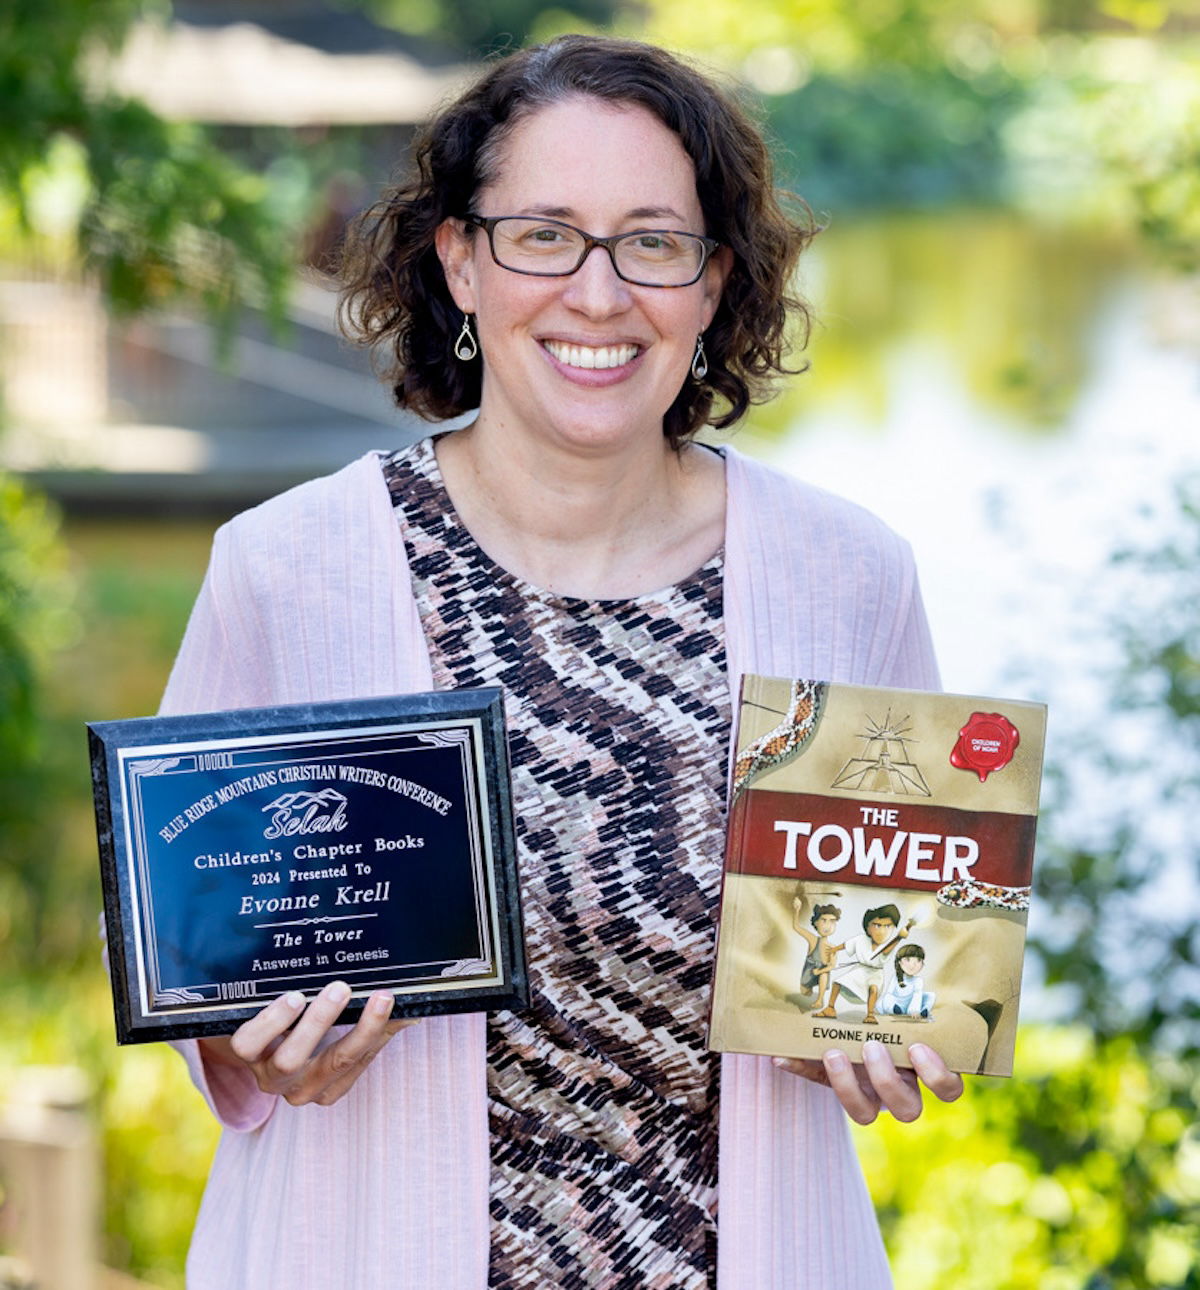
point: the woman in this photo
(590, 253)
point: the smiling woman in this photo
(585, 361)
(393, 279)
(592, 255)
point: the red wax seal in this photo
(986, 743)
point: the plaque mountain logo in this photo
(306, 812)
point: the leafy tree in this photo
(34, 591)
(1091, 107)
(1118, 873)
(896, 135)
(1081, 1174)
(159, 214)
(35, 620)
(163, 213)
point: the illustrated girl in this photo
(904, 994)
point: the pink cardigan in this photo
(308, 598)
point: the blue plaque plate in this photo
(248, 853)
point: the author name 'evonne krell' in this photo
(877, 872)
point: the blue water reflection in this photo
(1018, 403)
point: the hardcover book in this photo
(877, 873)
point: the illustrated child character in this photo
(905, 994)
(815, 972)
(859, 968)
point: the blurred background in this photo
(1006, 367)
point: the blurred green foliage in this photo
(36, 620)
(1081, 1174)
(1112, 130)
(894, 136)
(1117, 943)
(34, 591)
(156, 1139)
(159, 213)
(96, 614)
(1088, 108)
(1123, 940)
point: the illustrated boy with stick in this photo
(860, 969)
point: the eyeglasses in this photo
(548, 248)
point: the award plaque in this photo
(249, 853)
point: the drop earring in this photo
(699, 362)
(465, 347)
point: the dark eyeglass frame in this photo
(488, 224)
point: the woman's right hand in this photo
(284, 1045)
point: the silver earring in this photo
(465, 347)
(699, 362)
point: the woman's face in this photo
(606, 168)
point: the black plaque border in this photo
(108, 739)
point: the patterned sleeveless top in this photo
(602, 1098)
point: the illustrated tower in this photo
(884, 766)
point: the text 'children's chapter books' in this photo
(877, 872)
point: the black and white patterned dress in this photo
(602, 1098)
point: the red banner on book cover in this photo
(909, 846)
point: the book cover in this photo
(878, 865)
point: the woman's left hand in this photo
(875, 1084)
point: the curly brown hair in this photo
(395, 298)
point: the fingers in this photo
(252, 1039)
(292, 1051)
(853, 1089)
(838, 1072)
(346, 1060)
(808, 1068)
(290, 1058)
(944, 1084)
(896, 1090)
(359, 1045)
(876, 1083)
(305, 1069)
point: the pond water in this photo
(1017, 401)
